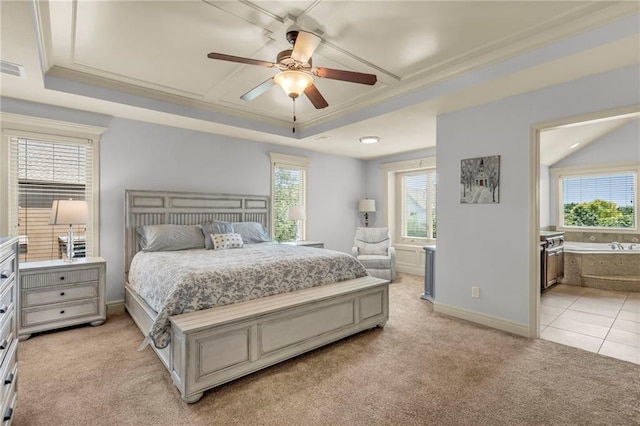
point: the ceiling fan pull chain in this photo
(294, 115)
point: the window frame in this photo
(392, 197)
(295, 162)
(22, 126)
(604, 170)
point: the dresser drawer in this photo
(9, 371)
(56, 278)
(9, 405)
(58, 312)
(6, 335)
(59, 294)
(6, 303)
(7, 270)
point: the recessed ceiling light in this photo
(369, 139)
(574, 145)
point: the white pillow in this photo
(226, 241)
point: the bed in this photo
(213, 343)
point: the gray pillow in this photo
(212, 228)
(252, 232)
(170, 237)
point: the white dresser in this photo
(55, 294)
(8, 327)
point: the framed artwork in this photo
(480, 180)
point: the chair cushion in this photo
(375, 261)
(372, 240)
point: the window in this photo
(600, 200)
(417, 206)
(43, 167)
(409, 192)
(288, 188)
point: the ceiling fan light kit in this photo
(293, 82)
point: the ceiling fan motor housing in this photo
(284, 58)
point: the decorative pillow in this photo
(170, 237)
(226, 241)
(252, 232)
(215, 227)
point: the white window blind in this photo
(289, 187)
(418, 206)
(41, 171)
(600, 201)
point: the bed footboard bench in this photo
(218, 345)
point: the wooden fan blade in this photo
(306, 43)
(258, 90)
(351, 76)
(315, 97)
(240, 60)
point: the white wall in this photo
(545, 220)
(620, 146)
(488, 245)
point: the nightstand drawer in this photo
(59, 294)
(62, 277)
(8, 372)
(58, 312)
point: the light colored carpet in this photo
(422, 368)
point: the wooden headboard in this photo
(186, 208)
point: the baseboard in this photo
(115, 307)
(488, 320)
(414, 270)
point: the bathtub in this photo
(598, 265)
(576, 247)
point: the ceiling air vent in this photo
(12, 69)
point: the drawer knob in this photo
(61, 278)
(62, 293)
(3, 309)
(3, 344)
(8, 414)
(9, 379)
(62, 311)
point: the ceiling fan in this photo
(296, 70)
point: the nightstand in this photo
(54, 294)
(306, 244)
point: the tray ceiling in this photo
(147, 60)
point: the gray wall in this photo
(375, 179)
(138, 155)
(488, 245)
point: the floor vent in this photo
(12, 69)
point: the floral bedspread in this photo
(177, 282)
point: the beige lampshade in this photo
(367, 205)
(69, 212)
(297, 213)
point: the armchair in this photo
(372, 247)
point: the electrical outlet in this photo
(475, 292)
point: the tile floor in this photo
(601, 321)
